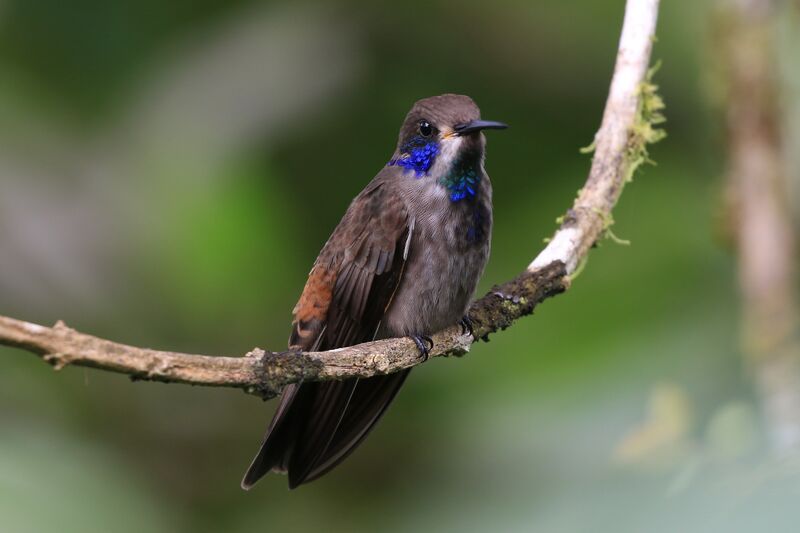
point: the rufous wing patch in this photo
(312, 308)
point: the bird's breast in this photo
(449, 248)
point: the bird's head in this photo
(442, 136)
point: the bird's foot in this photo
(467, 326)
(422, 345)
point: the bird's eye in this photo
(425, 129)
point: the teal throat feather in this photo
(462, 180)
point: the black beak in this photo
(477, 125)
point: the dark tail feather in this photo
(317, 425)
(305, 421)
(276, 443)
(370, 400)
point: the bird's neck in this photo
(459, 173)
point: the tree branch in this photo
(765, 235)
(620, 146)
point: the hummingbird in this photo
(403, 262)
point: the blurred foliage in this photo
(170, 170)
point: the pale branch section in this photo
(620, 145)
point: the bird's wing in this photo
(349, 288)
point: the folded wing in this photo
(317, 425)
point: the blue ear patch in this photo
(417, 155)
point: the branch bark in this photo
(620, 146)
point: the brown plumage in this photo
(404, 260)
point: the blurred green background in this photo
(170, 170)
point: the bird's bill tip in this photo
(478, 125)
